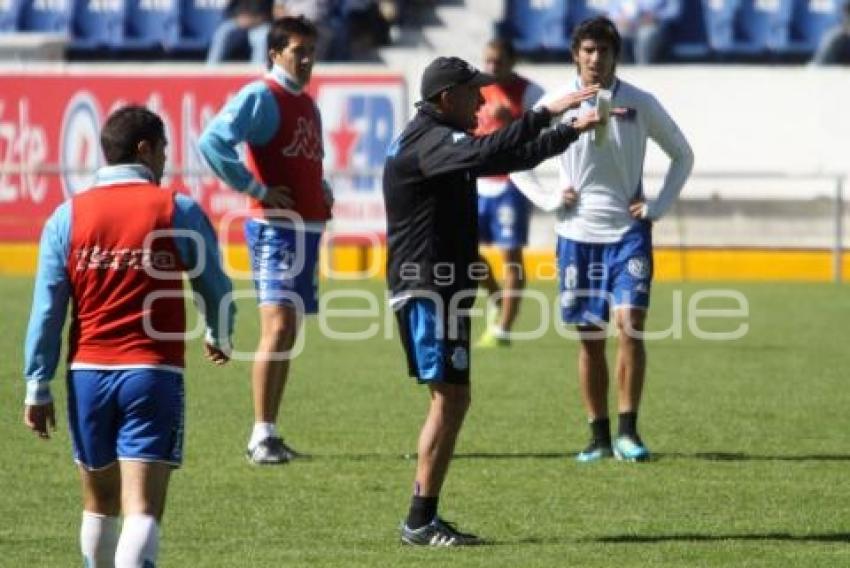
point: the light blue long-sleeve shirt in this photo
(53, 286)
(252, 117)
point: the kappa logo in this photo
(639, 267)
(306, 142)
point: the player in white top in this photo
(604, 232)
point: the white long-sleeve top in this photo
(608, 176)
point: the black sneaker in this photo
(595, 451)
(272, 451)
(438, 533)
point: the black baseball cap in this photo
(446, 72)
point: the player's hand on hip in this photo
(637, 209)
(572, 100)
(215, 354)
(40, 418)
(569, 198)
(279, 197)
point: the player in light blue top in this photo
(276, 122)
(117, 252)
(604, 232)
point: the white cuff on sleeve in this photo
(37, 393)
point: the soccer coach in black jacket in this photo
(432, 266)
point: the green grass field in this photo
(752, 438)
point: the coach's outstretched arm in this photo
(548, 144)
(455, 151)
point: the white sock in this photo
(262, 430)
(98, 539)
(139, 542)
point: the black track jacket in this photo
(431, 198)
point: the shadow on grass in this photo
(741, 456)
(690, 537)
(514, 455)
(706, 456)
(366, 456)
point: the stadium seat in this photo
(151, 24)
(809, 20)
(10, 11)
(761, 26)
(198, 21)
(720, 23)
(97, 24)
(45, 16)
(537, 26)
(581, 10)
(688, 38)
(750, 29)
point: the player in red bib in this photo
(117, 252)
(280, 126)
(503, 212)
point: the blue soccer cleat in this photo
(595, 451)
(630, 449)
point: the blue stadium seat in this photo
(720, 23)
(198, 21)
(45, 16)
(761, 26)
(751, 29)
(688, 39)
(537, 26)
(10, 12)
(581, 10)
(151, 24)
(97, 24)
(810, 19)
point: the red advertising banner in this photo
(50, 125)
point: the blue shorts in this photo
(595, 276)
(434, 352)
(284, 263)
(503, 219)
(131, 414)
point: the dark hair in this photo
(282, 28)
(125, 128)
(600, 30)
(504, 45)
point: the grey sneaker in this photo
(438, 533)
(271, 451)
